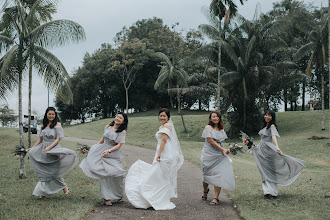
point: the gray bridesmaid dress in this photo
(52, 165)
(216, 167)
(275, 168)
(109, 170)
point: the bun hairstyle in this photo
(124, 125)
(167, 112)
(45, 121)
(272, 122)
(220, 124)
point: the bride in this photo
(153, 185)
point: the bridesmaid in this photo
(216, 164)
(49, 161)
(103, 161)
(275, 167)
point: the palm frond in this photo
(8, 61)
(64, 92)
(230, 52)
(5, 42)
(209, 31)
(164, 58)
(57, 33)
(314, 36)
(162, 77)
(204, 51)
(303, 51)
(249, 49)
(277, 44)
(269, 69)
(230, 78)
(310, 65)
(286, 65)
(49, 68)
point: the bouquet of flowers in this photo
(235, 148)
(83, 148)
(20, 152)
(248, 141)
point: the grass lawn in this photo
(307, 198)
(16, 200)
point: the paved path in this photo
(188, 204)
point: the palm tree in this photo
(318, 42)
(172, 73)
(219, 9)
(25, 25)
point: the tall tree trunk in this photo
(126, 91)
(30, 93)
(322, 97)
(184, 125)
(178, 98)
(303, 94)
(170, 94)
(219, 66)
(22, 172)
(329, 57)
(285, 100)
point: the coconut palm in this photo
(222, 9)
(317, 51)
(24, 26)
(173, 74)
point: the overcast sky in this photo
(102, 19)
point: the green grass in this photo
(307, 198)
(16, 200)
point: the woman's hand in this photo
(105, 153)
(158, 158)
(226, 151)
(245, 141)
(278, 150)
(47, 149)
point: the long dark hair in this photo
(167, 112)
(272, 122)
(124, 125)
(220, 124)
(45, 121)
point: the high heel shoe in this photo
(204, 198)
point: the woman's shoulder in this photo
(58, 125)
(167, 125)
(209, 127)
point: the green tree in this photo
(317, 51)
(24, 23)
(7, 116)
(128, 60)
(173, 75)
(220, 9)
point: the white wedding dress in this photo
(153, 185)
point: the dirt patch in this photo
(321, 162)
(317, 138)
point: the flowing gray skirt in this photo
(276, 167)
(109, 170)
(217, 169)
(51, 166)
